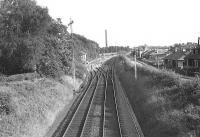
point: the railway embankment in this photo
(163, 102)
(29, 106)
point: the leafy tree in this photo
(114, 49)
(83, 44)
(22, 23)
(30, 39)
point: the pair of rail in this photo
(99, 111)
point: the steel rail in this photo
(87, 124)
(110, 111)
(104, 104)
(80, 104)
(116, 105)
(129, 109)
(64, 123)
(105, 74)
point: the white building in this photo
(83, 56)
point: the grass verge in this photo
(162, 101)
(29, 107)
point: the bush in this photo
(160, 99)
(29, 108)
(29, 41)
(5, 104)
(37, 42)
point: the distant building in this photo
(83, 56)
(138, 52)
(157, 58)
(143, 48)
(146, 54)
(183, 47)
(192, 60)
(161, 50)
(175, 60)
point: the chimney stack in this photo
(106, 40)
(198, 41)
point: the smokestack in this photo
(198, 41)
(106, 38)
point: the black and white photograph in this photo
(99, 68)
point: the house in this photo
(147, 53)
(178, 47)
(83, 56)
(138, 52)
(157, 58)
(162, 50)
(192, 60)
(175, 60)
(154, 57)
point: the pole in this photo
(158, 62)
(73, 60)
(106, 40)
(135, 66)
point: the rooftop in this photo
(176, 56)
(192, 56)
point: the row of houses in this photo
(182, 59)
(185, 62)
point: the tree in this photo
(22, 25)
(31, 39)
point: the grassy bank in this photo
(162, 101)
(29, 107)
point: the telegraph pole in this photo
(135, 66)
(106, 40)
(157, 61)
(73, 52)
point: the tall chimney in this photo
(198, 41)
(106, 38)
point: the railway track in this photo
(111, 126)
(102, 111)
(63, 125)
(76, 124)
(127, 119)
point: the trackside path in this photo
(128, 120)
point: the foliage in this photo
(114, 49)
(88, 46)
(28, 108)
(162, 101)
(31, 39)
(21, 23)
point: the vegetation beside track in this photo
(31, 40)
(162, 101)
(28, 108)
(35, 53)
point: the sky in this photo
(130, 22)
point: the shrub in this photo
(5, 106)
(160, 99)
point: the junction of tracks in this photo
(101, 110)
